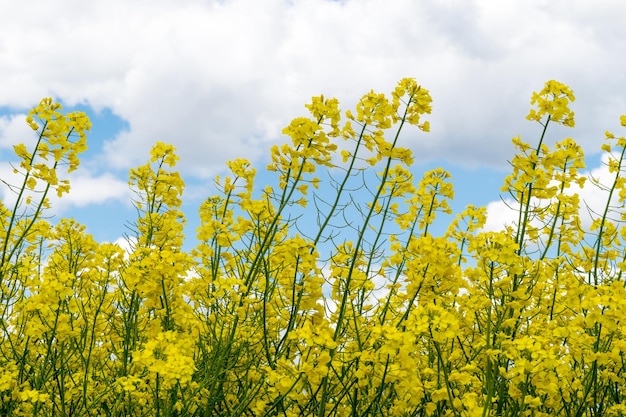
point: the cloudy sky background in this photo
(220, 79)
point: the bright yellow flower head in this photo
(553, 101)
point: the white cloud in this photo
(500, 214)
(86, 190)
(94, 190)
(127, 244)
(219, 79)
(14, 130)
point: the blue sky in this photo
(220, 79)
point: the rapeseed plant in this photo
(279, 310)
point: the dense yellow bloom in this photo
(338, 299)
(553, 101)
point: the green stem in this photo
(598, 245)
(340, 190)
(525, 206)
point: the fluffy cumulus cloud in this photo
(13, 130)
(86, 189)
(89, 189)
(220, 79)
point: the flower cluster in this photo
(320, 297)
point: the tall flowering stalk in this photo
(327, 292)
